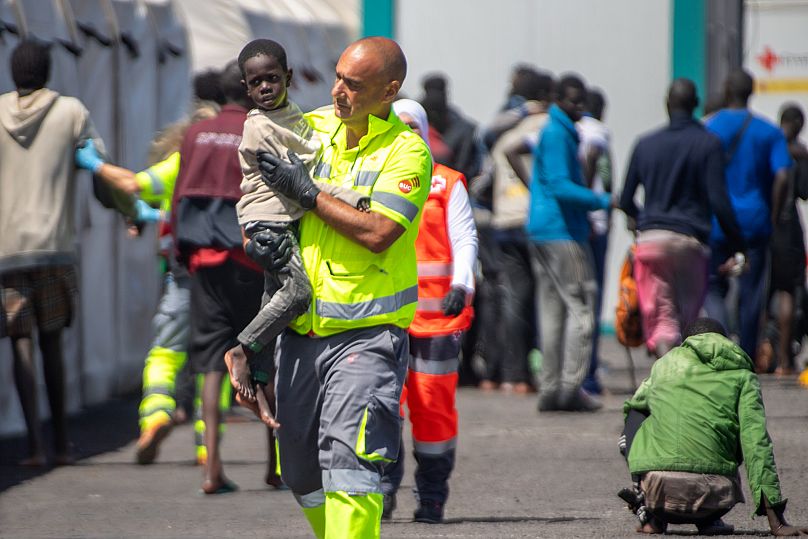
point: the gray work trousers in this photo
(566, 307)
(338, 406)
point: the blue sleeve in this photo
(779, 158)
(558, 175)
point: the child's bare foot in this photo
(236, 361)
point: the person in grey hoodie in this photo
(44, 138)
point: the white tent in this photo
(131, 61)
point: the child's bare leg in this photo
(265, 397)
(260, 407)
(214, 480)
(236, 360)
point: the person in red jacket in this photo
(447, 252)
(226, 285)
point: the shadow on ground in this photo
(95, 430)
(551, 520)
(745, 533)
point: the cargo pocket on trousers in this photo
(380, 430)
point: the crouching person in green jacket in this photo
(688, 427)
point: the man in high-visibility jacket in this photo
(447, 252)
(169, 346)
(342, 364)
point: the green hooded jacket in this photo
(706, 416)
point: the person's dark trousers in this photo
(394, 471)
(517, 327)
(431, 475)
(185, 388)
(752, 290)
(598, 243)
(634, 421)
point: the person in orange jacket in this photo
(447, 252)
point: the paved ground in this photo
(519, 474)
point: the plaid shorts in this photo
(44, 297)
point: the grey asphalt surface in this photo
(518, 474)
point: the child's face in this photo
(266, 81)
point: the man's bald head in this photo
(392, 63)
(368, 78)
(682, 96)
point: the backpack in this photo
(628, 320)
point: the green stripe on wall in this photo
(689, 46)
(378, 18)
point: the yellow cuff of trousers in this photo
(277, 458)
(316, 518)
(352, 516)
(153, 402)
(156, 418)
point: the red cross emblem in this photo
(768, 59)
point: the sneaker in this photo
(388, 506)
(587, 402)
(149, 442)
(429, 512)
(578, 401)
(548, 402)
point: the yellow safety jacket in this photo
(157, 189)
(352, 286)
(157, 182)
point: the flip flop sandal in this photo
(226, 488)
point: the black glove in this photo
(269, 249)
(454, 301)
(290, 179)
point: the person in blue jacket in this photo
(558, 230)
